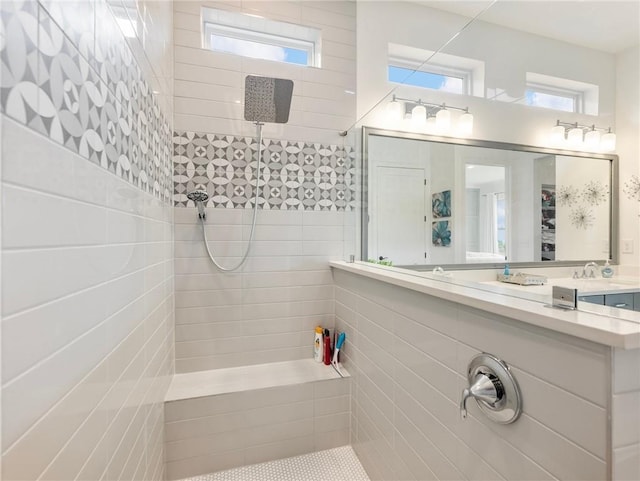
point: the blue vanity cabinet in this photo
(592, 299)
(627, 300)
(621, 301)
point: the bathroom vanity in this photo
(412, 340)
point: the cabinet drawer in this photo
(621, 301)
(592, 299)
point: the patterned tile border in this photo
(295, 175)
(89, 96)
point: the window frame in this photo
(577, 96)
(466, 75)
(250, 28)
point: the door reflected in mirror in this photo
(432, 201)
(486, 213)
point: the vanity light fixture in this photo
(395, 110)
(431, 117)
(577, 135)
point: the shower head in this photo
(199, 197)
(267, 99)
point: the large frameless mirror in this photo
(430, 201)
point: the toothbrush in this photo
(336, 350)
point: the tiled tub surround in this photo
(233, 417)
(408, 357)
(87, 253)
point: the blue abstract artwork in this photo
(441, 204)
(441, 233)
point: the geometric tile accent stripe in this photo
(83, 89)
(294, 175)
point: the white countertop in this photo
(608, 326)
(586, 287)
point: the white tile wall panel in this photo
(418, 384)
(237, 428)
(195, 65)
(200, 90)
(625, 463)
(98, 248)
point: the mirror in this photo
(433, 201)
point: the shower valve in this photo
(494, 388)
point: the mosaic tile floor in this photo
(339, 464)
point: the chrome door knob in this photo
(494, 388)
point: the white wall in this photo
(628, 132)
(87, 240)
(507, 55)
(408, 354)
(209, 86)
(266, 311)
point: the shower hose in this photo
(253, 220)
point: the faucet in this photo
(438, 270)
(592, 274)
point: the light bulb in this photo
(418, 116)
(557, 134)
(395, 111)
(465, 124)
(431, 124)
(592, 139)
(574, 136)
(608, 142)
(443, 119)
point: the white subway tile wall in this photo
(268, 309)
(87, 238)
(625, 415)
(212, 433)
(209, 86)
(408, 354)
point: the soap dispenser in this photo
(607, 270)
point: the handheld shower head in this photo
(199, 197)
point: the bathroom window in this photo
(436, 78)
(553, 98)
(556, 93)
(257, 37)
(422, 68)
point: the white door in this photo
(400, 214)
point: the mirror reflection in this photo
(431, 202)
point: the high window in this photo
(257, 37)
(417, 67)
(560, 94)
(430, 76)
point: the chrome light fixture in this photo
(395, 110)
(576, 135)
(430, 116)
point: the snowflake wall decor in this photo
(567, 195)
(595, 193)
(581, 218)
(632, 188)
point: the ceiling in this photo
(608, 26)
